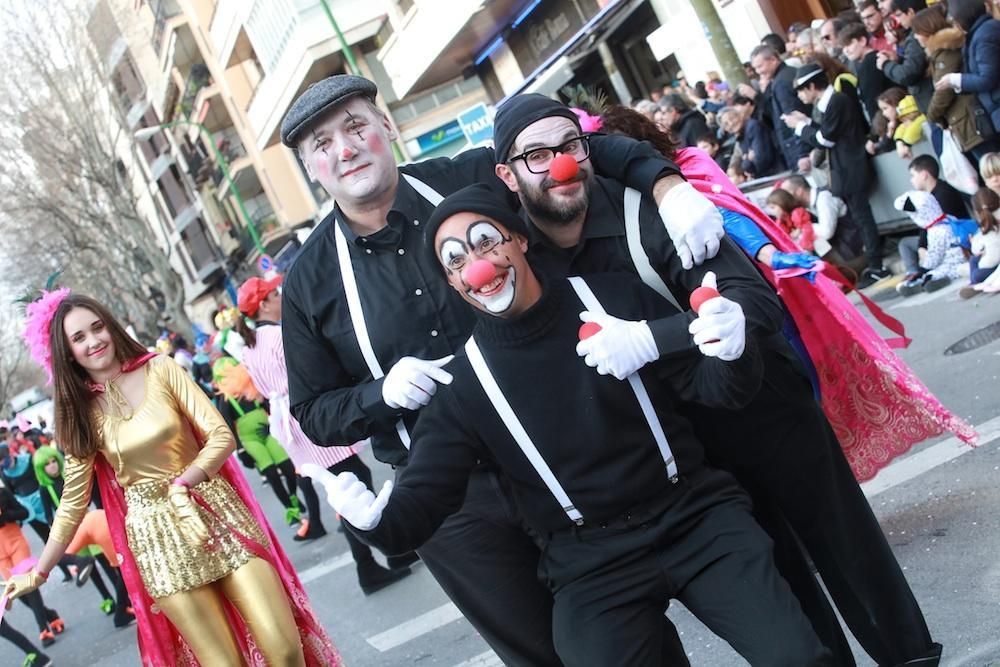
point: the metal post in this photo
(344, 46)
(224, 166)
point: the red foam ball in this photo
(479, 273)
(588, 329)
(564, 168)
(701, 295)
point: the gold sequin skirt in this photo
(166, 562)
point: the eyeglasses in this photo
(537, 160)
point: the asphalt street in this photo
(938, 505)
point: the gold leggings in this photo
(256, 591)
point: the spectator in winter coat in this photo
(760, 157)
(686, 123)
(980, 67)
(943, 44)
(871, 81)
(910, 68)
(778, 100)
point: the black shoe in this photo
(312, 532)
(403, 560)
(872, 275)
(934, 284)
(373, 577)
(84, 571)
(123, 617)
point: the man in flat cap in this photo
(780, 445)
(368, 326)
(843, 131)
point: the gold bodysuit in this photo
(174, 427)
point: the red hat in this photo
(253, 291)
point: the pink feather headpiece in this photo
(588, 123)
(37, 325)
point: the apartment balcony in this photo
(437, 41)
(294, 43)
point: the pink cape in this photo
(160, 644)
(877, 406)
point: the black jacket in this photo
(690, 127)
(911, 72)
(11, 511)
(843, 130)
(780, 99)
(588, 428)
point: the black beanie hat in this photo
(478, 198)
(518, 113)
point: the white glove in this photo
(349, 496)
(693, 223)
(410, 383)
(720, 330)
(620, 348)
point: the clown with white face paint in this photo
(607, 474)
(480, 265)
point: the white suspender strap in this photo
(517, 431)
(592, 304)
(639, 258)
(424, 190)
(358, 317)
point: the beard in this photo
(543, 207)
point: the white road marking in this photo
(324, 568)
(404, 632)
(907, 468)
(488, 659)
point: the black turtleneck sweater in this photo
(588, 427)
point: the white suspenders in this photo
(639, 258)
(523, 440)
(354, 297)
(638, 388)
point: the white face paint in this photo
(485, 240)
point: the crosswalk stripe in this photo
(487, 659)
(326, 567)
(404, 632)
(905, 469)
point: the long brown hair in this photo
(985, 203)
(248, 335)
(76, 426)
(622, 120)
(930, 21)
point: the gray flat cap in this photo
(320, 98)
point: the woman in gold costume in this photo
(210, 582)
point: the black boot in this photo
(403, 560)
(930, 659)
(373, 577)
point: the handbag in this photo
(984, 126)
(955, 169)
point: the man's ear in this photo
(522, 241)
(389, 129)
(506, 174)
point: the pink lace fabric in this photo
(160, 643)
(876, 404)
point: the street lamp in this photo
(146, 133)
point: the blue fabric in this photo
(793, 260)
(744, 231)
(963, 229)
(981, 65)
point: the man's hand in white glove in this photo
(349, 496)
(620, 348)
(693, 222)
(720, 328)
(411, 382)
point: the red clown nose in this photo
(588, 329)
(700, 295)
(563, 168)
(479, 273)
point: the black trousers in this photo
(612, 584)
(487, 564)
(861, 213)
(783, 449)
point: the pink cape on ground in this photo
(160, 644)
(878, 407)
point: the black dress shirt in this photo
(409, 308)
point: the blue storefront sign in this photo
(438, 137)
(476, 124)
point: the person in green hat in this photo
(48, 463)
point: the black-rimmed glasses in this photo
(537, 160)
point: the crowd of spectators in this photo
(822, 100)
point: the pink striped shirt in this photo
(265, 362)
